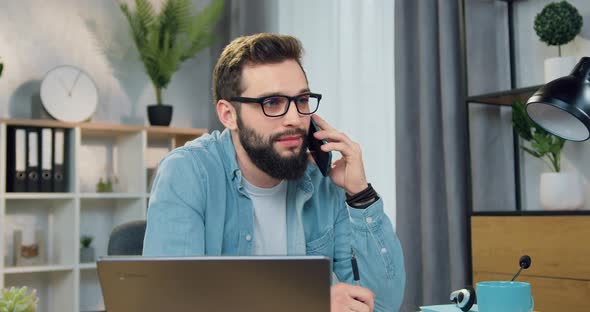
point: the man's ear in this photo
(227, 114)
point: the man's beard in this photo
(266, 158)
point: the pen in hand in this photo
(355, 269)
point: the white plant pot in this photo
(561, 191)
(557, 67)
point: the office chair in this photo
(127, 239)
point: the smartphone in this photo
(322, 159)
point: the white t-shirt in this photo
(270, 218)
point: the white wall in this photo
(36, 36)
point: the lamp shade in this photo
(562, 106)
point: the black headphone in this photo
(464, 298)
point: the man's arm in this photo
(175, 222)
(377, 249)
(368, 230)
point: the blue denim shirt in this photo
(198, 206)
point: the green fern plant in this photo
(17, 300)
(167, 39)
(543, 144)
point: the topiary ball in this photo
(558, 23)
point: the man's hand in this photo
(347, 172)
(346, 298)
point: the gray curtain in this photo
(241, 18)
(431, 159)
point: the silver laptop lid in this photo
(208, 284)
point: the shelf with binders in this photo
(54, 288)
(37, 159)
(93, 151)
(38, 236)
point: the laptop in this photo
(209, 284)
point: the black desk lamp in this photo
(562, 106)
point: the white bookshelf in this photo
(39, 269)
(39, 195)
(129, 153)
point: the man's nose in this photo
(292, 116)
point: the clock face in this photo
(69, 94)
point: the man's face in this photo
(276, 145)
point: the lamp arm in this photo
(582, 69)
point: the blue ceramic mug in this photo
(504, 296)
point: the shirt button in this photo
(248, 237)
(383, 250)
(369, 220)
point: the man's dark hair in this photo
(263, 48)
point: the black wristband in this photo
(366, 205)
(367, 193)
(362, 199)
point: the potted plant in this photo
(165, 40)
(17, 300)
(558, 190)
(557, 24)
(86, 251)
(104, 187)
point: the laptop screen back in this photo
(134, 284)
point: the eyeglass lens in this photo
(278, 105)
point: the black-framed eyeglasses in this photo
(278, 105)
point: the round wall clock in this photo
(69, 94)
